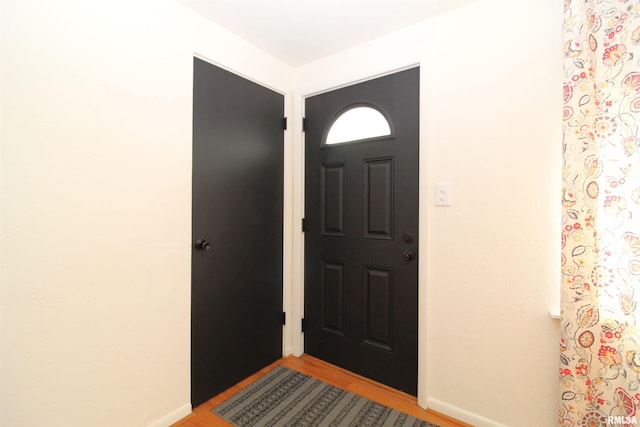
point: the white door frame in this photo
(294, 338)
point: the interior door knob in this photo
(409, 237)
(407, 255)
(202, 245)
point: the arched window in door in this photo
(358, 123)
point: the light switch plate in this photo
(443, 194)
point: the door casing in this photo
(351, 261)
(293, 254)
(240, 210)
(295, 344)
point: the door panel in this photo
(361, 210)
(378, 199)
(333, 199)
(238, 186)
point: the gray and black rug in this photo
(284, 397)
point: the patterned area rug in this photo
(284, 397)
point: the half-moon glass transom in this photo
(356, 124)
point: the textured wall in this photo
(96, 171)
(96, 207)
(491, 77)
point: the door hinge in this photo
(283, 317)
(284, 123)
(302, 324)
(304, 124)
(304, 225)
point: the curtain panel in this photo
(600, 328)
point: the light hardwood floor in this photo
(203, 417)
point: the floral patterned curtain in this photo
(600, 326)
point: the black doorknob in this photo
(409, 237)
(202, 245)
(407, 255)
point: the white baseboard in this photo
(172, 417)
(461, 414)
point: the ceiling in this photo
(300, 31)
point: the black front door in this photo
(236, 300)
(361, 239)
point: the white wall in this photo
(491, 75)
(95, 222)
(96, 206)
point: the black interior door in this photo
(236, 301)
(361, 210)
